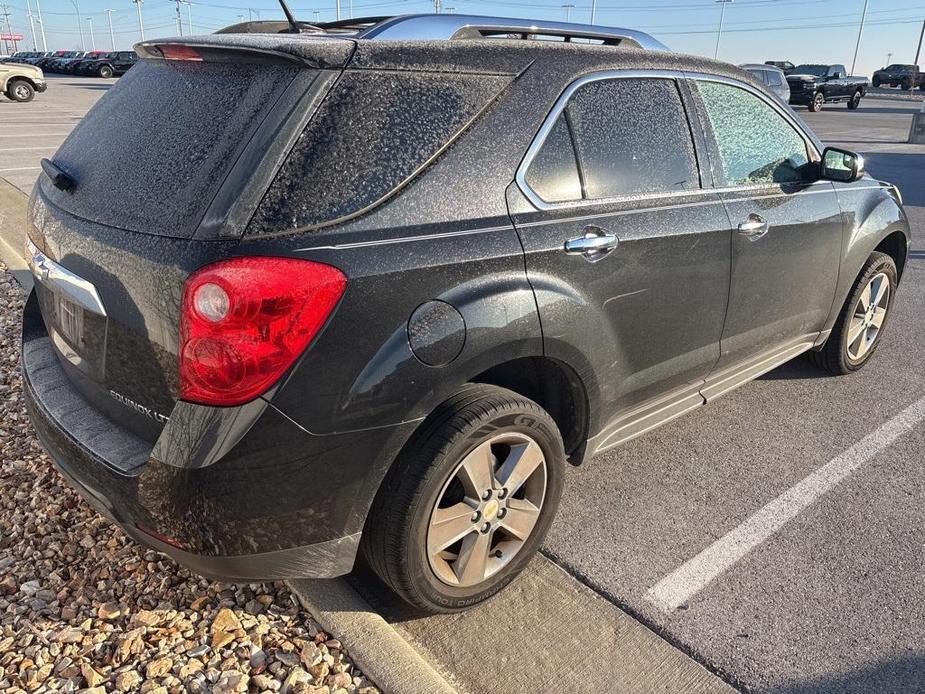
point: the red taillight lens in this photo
(173, 51)
(246, 320)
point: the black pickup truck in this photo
(815, 85)
(906, 76)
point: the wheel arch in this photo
(555, 387)
(896, 246)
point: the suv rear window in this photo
(151, 154)
(373, 133)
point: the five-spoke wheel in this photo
(468, 501)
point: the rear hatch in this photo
(115, 216)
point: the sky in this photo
(818, 31)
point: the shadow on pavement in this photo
(905, 674)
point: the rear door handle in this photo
(754, 227)
(594, 245)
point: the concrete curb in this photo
(377, 648)
(13, 208)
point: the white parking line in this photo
(22, 168)
(694, 575)
(27, 149)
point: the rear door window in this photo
(631, 136)
(774, 78)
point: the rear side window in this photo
(631, 136)
(553, 174)
(151, 154)
(774, 78)
(755, 144)
(373, 132)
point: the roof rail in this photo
(460, 26)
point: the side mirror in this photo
(841, 165)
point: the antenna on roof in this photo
(293, 25)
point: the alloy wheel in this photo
(868, 316)
(487, 509)
(21, 91)
(819, 101)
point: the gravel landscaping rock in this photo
(85, 609)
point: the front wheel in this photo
(817, 102)
(877, 81)
(469, 501)
(106, 71)
(855, 100)
(862, 320)
(906, 85)
(20, 90)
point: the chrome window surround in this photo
(813, 146)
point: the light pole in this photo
(189, 16)
(722, 20)
(317, 16)
(112, 37)
(568, 7)
(918, 50)
(35, 45)
(141, 24)
(593, 10)
(179, 21)
(38, 10)
(860, 31)
(92, 42)
(337, 10)
(80, 27)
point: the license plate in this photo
(70, 320)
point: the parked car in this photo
(21, 82)
(72, 66)
(772, 77)
(784, 65)
(905, 76)
(335, 313)
(109, 65)
(45, 63)
(815, 85)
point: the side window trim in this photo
(813, 146)
(557, 109)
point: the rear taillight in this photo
(246, 320)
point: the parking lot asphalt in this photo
(825, 597)
(29, 132)
(831, 599)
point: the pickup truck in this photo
(815, 85)
(21, 82)
(906, 76)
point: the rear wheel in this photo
(106, 71)
(469, 501)
(817, 102)
(855, 100)
(20, 90)
(877, 81)
(862, 320)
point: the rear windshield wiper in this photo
(59, 178)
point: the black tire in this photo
(106, 71)
(877, 82)
(395, 539)
(834, 356)
(906, 84)
(20, 90)
(816, 103)
(855, 100)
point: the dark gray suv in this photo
(364, 290)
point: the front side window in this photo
(754, 143)
(617, 137)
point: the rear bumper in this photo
(278, 503)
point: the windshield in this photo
(817, 70)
